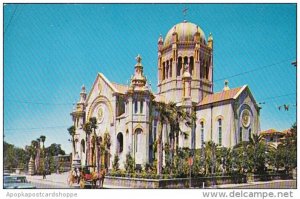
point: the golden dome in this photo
(185, 31)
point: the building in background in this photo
(274, 137)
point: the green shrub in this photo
(115, 163)
(129, 163)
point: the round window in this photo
(246, 118)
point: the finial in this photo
(138, 58)
(83, 88)
(210, 37)
(160, 39)
(226, 87)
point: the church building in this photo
(127, 120)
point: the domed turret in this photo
(185, 63)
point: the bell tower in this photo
(185, 48)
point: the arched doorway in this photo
(120, 143)
(93, 150)
(82, 148)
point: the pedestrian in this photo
(77, 175)
(44, 174)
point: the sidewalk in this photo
(57, 180)
(267, 184)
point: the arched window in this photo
(135, 106)
(167, 69)
(191, 65)
(241, 134)
(82, 146)
(163, 71)
(207, 70)
(141, 106)
(185, 60)
(202, 132)
(137, 139)
(179, 66)
(120, 142)
(170, 69)
(220, 130)
(202, 69)
(249, 134)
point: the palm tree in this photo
(38, 155)
(43, 139)
(34, 145)
(257, 146)
(210, 156)
(106, 146)
(72, 132)
(88, 130)
(174, 116)
(161, 108)
(93, 121)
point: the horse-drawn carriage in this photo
(87, 178)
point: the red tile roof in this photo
(221, 96)
(120, 87)
(269, 131)
(287, 131)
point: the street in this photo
(276, 184)
(59, 181)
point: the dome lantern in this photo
(210, 41)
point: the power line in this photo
(278, 96)
(10, 20)
(253, 70)
(39, 103)
(35, 128)
(53, 127)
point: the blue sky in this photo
(50, 50)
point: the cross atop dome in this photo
(184, 11)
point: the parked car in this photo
(17, 182)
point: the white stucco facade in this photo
(127, 121)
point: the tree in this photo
(210, 157)
(174, 115)
(258, 151)
(72, 132)
(162, 117)
(129, 163)
(43, 139)
(54, 150)
(42, 160)
(14, 157)
(289, 145)
(115, 163)
(88, 130)
(224, 160)
(244, 156)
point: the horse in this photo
(98, 176)
(102, 177)
(71, 179)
